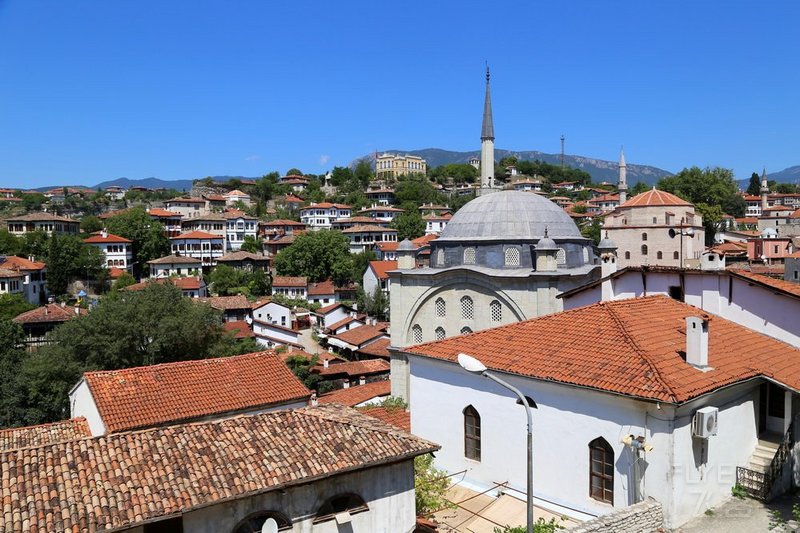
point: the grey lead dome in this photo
(510, 215)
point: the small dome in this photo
(405, 246)
(606, 244)
(545, 244)
(510, 216)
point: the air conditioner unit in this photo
(704, 424)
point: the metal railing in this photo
(759, 485)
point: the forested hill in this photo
(599, 169)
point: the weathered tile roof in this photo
(184, 283)
(354, 368)
(379, 348)
(289, 281)
(29, 436)
(197, 235)
(321, 288)
(360, 335)
(175, 260)
(328, 308)
(655, 197)
(163, 213)
(13, 262)
(346, 320)
(779, 284)
(381, 268)
(48, 313)
(224, 303)
(42, 217)
(282, 222)
(155, 395)
(98, 237)
(8, 273)
(357, 394)
(239, 328)
(241, 255)
(397, 417)
(118, 481)
(363, 228)
(631, 347)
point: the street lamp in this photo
(689, 232)
(472, 365)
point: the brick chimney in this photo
(697, 341)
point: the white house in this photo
(11, 281)
(34, 281)
(238, 226)
(199, 245)
(320, 215)
(322, 292)
(376, 276)
(384, 213)
(158, 395)
(118, 251)
(115, 193)
(235, 196)
(175, 265)
(190, 286)
(45, 222)
(364, 237)
(272, 335)
(435, 224)
(645, 397)
(188, 207)
(273, 313)
(330, 314)
(290, 286)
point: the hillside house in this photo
(38, 323)
(175, 265)
(118, 251)
(295, 287)
(34, 277)
(44, 222)
(318, 216)
(200, 245)
(377, 276)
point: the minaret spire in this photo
(622, 186)
(764, 190)
(487, 139)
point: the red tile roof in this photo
(12, 262)
(387, 246)
(360, 335)
(381, 268)
(120, 481)
(163, 213)
(779, 284)
(326, 205)
(156, 395)
(197, 235)
(48, 313)
(631, 347)
(187, 200)
(321, 288)
(354, 368)
(394, 416)
(328, 308)
(225, 303)
(289, 281)
(29, 436)
(347, 320)
(97, 237)
(424, 240)
(357, 394)
(377, 348)
(363, 228)
(188, 283)
(654, 197)
(239, 328)
(282, 222)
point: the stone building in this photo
(394, 165)
(656, 228)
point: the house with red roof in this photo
(118, 251)
(231, 198)
(187, 207)
(30, 273)
(635, 398)
(376, 276)
(200, 245)
(352, 373)
(330, 314)
(273, 325)
(290, 286)
(322, 292)
(150, 396)
(190, 286)
(170, 220)
(318, 216)
(38, 323)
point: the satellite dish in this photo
(270, 526)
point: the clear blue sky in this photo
(96, 90)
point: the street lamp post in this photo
(472, 365)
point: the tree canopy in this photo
(754, 186)
(409, 225)
(149, 241)
(314, 255)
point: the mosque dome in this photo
(510, 216)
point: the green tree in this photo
(754, 187)
(32, 201)
(363, 172)
(430, 486)
(11, 358)
(294, 172)
(409, 225)
(90, 224)
(313, 255)
(34, 243)
(251, 244)
(710, 186)
(301, 367)
(540, 526)
(416, 190)
(361, 263)
(458, 172)
(259, 284)
(12, 305)
(61, 253)
(638, 188)
(375, 304)
(149, 240)
(340, 176)
(227, 281)
(9, 244)
(787, 188)
(592, 230)
(125, 280)
(712, 220)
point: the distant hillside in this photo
(150, 183)
(599, 169)
(787, 175)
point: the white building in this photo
(364, 237)
(34, 277)
(11, 281)
(295, 287)
(188, 207)
(118, 251)
(175, 265)
(384, 213)
(377, 277)
(199, 245)
(435, 224)
(319, 216)
(44, 222)
(239, 226)
(634, 398)
(235, 196)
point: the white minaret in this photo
(622, 186)
(764, 191)
(487, 140)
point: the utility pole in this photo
(562, 150)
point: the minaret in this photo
(764, 190)
(487, 140)
(622, 186)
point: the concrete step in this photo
(764, 453)
(758, 467)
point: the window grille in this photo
(439, 333)
(441, 308)
(469, 256)
(416, 333)
(496, 311)
(467, 308)
(561, 256)
(512, 256)
(465, 330)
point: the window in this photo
(469, 256)
(472, 433)
(439, 333)
(440, 257)
(644, 249)
(585, 255)
(644, 236)
(441, 308)
(416, 333)
(601, 471)
(675, 255)
(342, 503)
(561, 257)
(659, 255)
(465, 330)
(170, 525)
(467, 308)
(655, 221)
(512, 256)
(255, 523)
(496, 311)
(627, 255)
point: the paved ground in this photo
(743, 515)
(309, 344)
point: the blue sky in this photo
(95, 90)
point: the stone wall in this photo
(643, 517)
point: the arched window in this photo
(512, 256)
(254, 523)
(585, 255)
(601, 470)
(627, 255)
(465, 330)
(469, 256)
(440, 334)
(659, 255)
(472, 433)
(440, 257)
(341, 503)
(561, 257)
(644, 236)
(496, 311)
(416, 333)
(655, 220)
(675, 255)
(467, 308)
(644, 249)
(441, 307)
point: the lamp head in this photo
(470, 364)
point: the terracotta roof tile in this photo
(239, 328)
(363, 228)
(163, 213)
(119, 481)
(225, 303)
(381, 268)
(379, 348)
(354, 368)
(357, 394)
(197, 235)
(321, 288)
(782, 285)
(328, 308)
(155, 395)
(98, 237)
(630, 347)
(187, 283)
(42, 217)
(289, 281)
(397, 417)
(241, 255)
(347, 320)
(175, 260)
(360, 335)
(30, 436)
(12, 262)
(48, 313)
(654, 197)
(282, 222)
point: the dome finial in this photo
(545, 232)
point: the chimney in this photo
(325, 363)
(77, 310)
(346, 385)
(63, 305)
(313, 399)
(362, 380)
(104, 233)
(697, 341)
